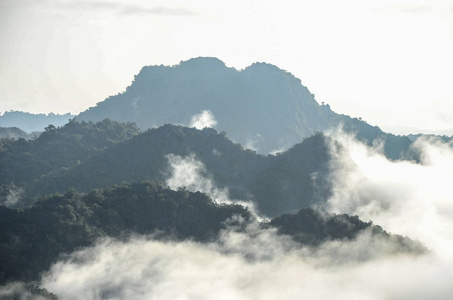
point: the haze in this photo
(388, 62)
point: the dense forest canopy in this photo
(84, 156)
(34, 238)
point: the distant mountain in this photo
(279, 184)
(261, 107)
(444, 138)
(32, 122)
(16, 133)
(406, 130)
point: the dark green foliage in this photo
(295, 179)
(278, 184)
(22, 161)
(32, 239)
(312, 226)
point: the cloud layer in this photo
(203, 119)
(257, 264)
(403, 197)
(407, 198)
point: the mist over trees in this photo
(84, 156)
(16, 133)
(32, 239)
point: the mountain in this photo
(34, 238)
(278, 184)
(23, 161)
(16, 133)
(261, 107)
(32, 122)
(443, 138)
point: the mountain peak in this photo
(202, 62)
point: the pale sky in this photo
(389, 62)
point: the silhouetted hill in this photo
(262, 106)
(278, 184)
(33, 122)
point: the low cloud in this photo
(253, 143)
(255, 264)
(21, 291)
(160, 10)
(405, 9)
(13, 197)
(403, 197)
(189, 173)
(203, 120)
(116, 7)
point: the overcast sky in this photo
(389, 62)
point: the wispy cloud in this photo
(191, 174)
(404, 9)
(160, 10)
(203, 119)
(122, 9)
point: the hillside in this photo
(22, 161)
(278, 184)
(32, 239)
(261, 107)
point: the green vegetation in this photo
(16, 133)
(278, 184)
(22, 162)
(313, 226)
(32, 239)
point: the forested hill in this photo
(32, 122)
(262, 106)
(23, 161)
(283, 183)
(34, 238)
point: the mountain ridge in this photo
(261, 106)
